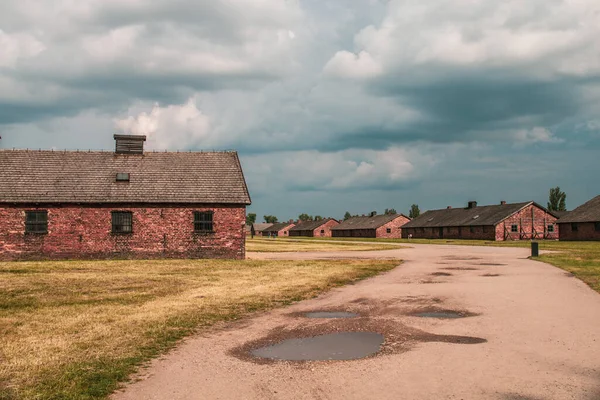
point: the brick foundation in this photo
(84, 232)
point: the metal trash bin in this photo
(535, 249)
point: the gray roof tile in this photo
(587, 212)
(31, 176)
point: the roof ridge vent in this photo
(129, 144)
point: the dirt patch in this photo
(458, 258)
(461, 268)
(490, 275)
(429, 281)
(398, 337)
(491, 264)
(325, 314)
(441, 274)
(434, 312)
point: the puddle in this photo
(336, 346)
(341, 339)
(491, 264)
(461, 268)
(330, 314)
(441, 274)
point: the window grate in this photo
(203, 221)
(122, 222)
(514, 228)
(36, 221)
(550, 228)
(597, 226)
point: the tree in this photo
(305, 217)
(250, 219)
(557, 200)
(347, 215)
(414, 211)
(390, 211)
(270, 219)
(318, 218)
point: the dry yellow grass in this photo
(73, 330)
(278, 245)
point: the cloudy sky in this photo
(334, 105)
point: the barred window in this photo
(122, 222)
(36, 221)
(388, 230)
(597, 226)
(550, 228)
(203, 221)
(514, 228)
(472, 229)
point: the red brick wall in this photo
(285, 232)
(394, 226)
(585, 231)
(326, 228)
(532, 223)
(158, 232)
(524, 219)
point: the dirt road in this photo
(537, 331)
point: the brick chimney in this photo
(472, 204)
(129, 144)
(503, 203)
(448, 208)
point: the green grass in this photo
(75, 329)
(580, 258)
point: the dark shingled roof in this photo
(366, 222)
(311, 225)
(587, 212)
(31, 176)
(277, 227)
(476, 216)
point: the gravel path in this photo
(535, 334)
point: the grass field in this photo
(74, 330)
(580, 258)
(264, 245)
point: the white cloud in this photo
(535, 135)
(341, 170)
(170, 127)
(14, 47)
(349, 65)
(542, 38)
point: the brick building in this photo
(280, 229)
(377, 226)
(320, 228)
(257, 229)
(517, 221)
(123, 204)
(583, 223)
